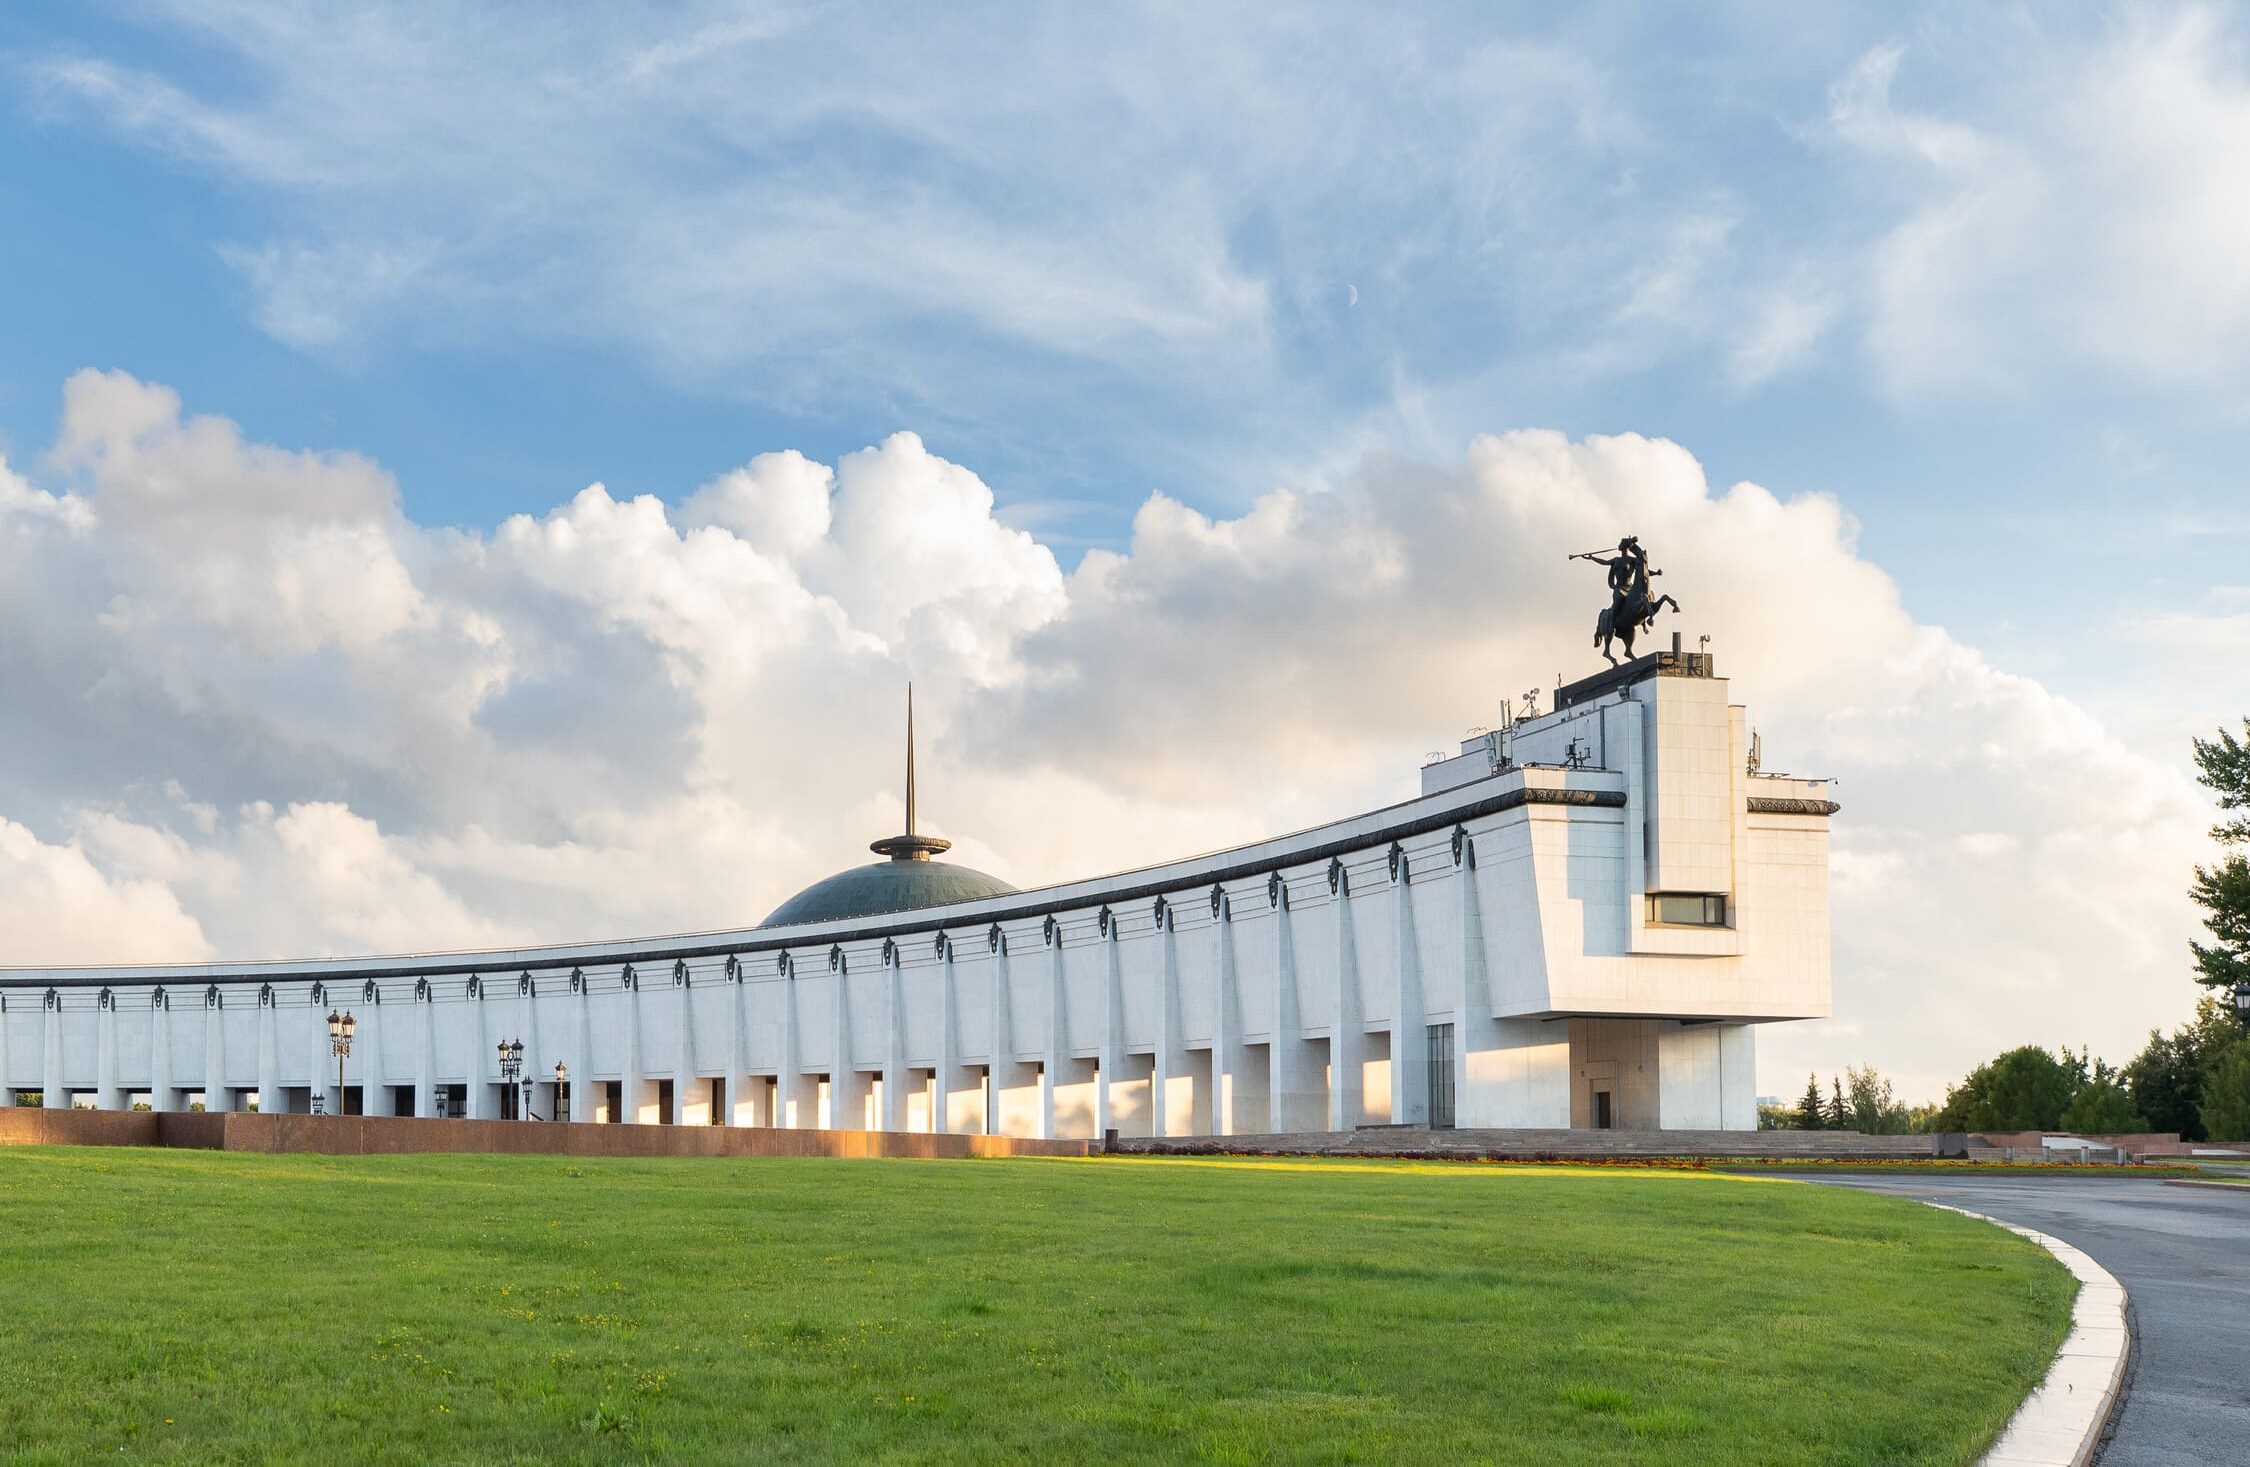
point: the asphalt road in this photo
(2183, 1255)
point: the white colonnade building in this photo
(1578, 923)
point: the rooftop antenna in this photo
(910, 847)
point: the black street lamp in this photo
(562, 1078)
(341, 1027)
(2242, 1000)
(511, 1066)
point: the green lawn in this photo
(185, 1306)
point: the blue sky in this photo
(1096, 255)
(1137, 358)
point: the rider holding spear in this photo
(1630, 609)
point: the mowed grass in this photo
(182, 1306)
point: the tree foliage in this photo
(2223, 766)
(2223, 888)
(1812, 1114)
(1874, 1106)
(2166, 1077)
(2102, 1106)
(2226, 1094)
(2026, 1089)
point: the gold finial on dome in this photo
(910, 847)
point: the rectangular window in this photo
(1687, 909)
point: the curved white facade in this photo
(1493, 946)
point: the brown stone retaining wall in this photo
(2139, 1143)
(396, 1135)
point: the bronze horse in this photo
(1631, 610)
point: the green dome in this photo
(886, 886)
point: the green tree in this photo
(2223, 888)
(2166, 1077)
(2226, 1094)
(2102, 1107)
(1839, 1117)
(1874, 1105)
(2166, 1081)
(1812, 1115)
(2025, 1089)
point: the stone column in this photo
(892, 1114)
(217, 1098)
(1347, 1036)
(107, 1094)
(582, 1082)
(1169, 1114)
(796, 1099)
(950, 1072)
(1231, 1100)
(162, 1095)
(51, 1093)
(1000, 1033)
(683, 1063)
(847, 1094)
(1112, 1060)
(1296, 1100)
(1474, 1031)
(738, 1052)
(629, 1090)
(1058, 1029)
(425, 1049)
(323, 1059)
(7, 1079)
(1410, 1045)
(479, 1106)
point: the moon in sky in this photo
(1354, 297)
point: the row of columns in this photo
(1292, 1090)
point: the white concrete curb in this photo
(2060, 1424)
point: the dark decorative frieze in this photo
(1788, 805)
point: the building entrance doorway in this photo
(1604, 1118)
(1441, 1076)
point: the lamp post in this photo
(562, 1078)
(2242, 1002)
(341, 1027)
(511, 1066)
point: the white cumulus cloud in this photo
(264, 713)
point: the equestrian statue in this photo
(1631, 611)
